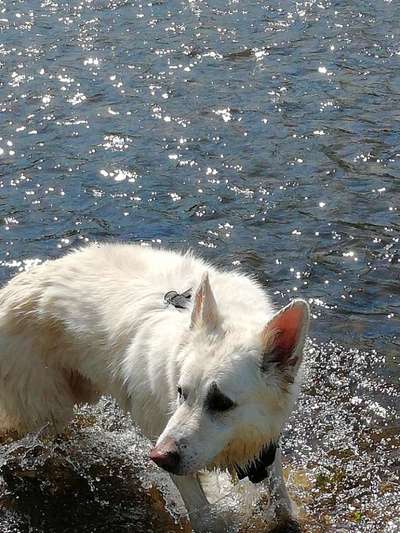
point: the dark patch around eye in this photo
(217, 401)
(182, 393)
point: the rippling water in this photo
(262, 135)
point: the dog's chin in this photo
(184, 470)
(187, 471)
(196, 469)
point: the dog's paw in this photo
(288, 526)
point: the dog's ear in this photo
(205, 311)
(284, 336)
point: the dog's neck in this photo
(257, 470)
(244, 458)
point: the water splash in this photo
(340, 448)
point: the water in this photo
(262, 135)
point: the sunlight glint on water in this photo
(265, 137)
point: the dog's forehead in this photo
(233, 372)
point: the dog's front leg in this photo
(201, 513)
(287, 522)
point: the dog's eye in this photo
(180, 393)
(218, 402)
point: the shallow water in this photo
(262, 136)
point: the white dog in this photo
(212, 380)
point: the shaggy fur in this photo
(95, 322)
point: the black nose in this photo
(167, 457)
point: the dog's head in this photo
(235, 389)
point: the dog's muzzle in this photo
(166, 456)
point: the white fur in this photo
(95, 322)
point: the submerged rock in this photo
(81, 481)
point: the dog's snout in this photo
(169, 461)
(166, 456)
